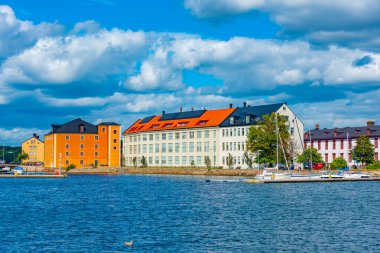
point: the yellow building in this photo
(35, 148)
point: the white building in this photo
(337, 142)
(233, 131)
(178, 139)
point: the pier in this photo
(310, 180)
(31, 176)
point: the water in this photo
(186, 214)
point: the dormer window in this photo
(182, 124)
(154, 126)
(81, 128)
(335, 133)
(167, 124)
(247, 118)
(232, 120)
(368, 131)
(202, 122)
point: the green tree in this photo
(70, 167)
(338, 163)
(134, 161)
(374, 166)
(263, 138)
(208, 162)
(144, 162)
(123, 160)
(230, 161)
(248, 159)
(364, 150)
(22, 156)
(192, 163)
(305, 156)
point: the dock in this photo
(32, 176)
(310, 180)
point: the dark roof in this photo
(182, 115)
(109, 124)
(341, 133)
(146, 119)
(256, 113)
(73, 127)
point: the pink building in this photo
(335, 142)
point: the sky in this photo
(120, 60)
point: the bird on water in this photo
(128, 244)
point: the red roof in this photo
(209, 118)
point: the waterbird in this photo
(128, 244)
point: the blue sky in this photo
(110, 60)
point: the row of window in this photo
(339, 142)
(236, 131)
(172, 147)
(171, 136)
(82, 137)
(67, 162)
(96, 146)
(239, 160)
(334, 155)
(32, 153)
(32, 147)
(173, 160)
(233, 146)
(67, 154)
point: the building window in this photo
(176, 148)
(376, 156)
(199, 146)
(163, 147)
(326, 158)
(177, 136)
(334, 146)
(199, 134)
(170, 136)
(319, 145)
(115, 131)
(207, 133)
(232, 120)
(81, 162)
(191, 146)
(114, 148)
(157, 137)
(326, 145)
(67, 146)
(67, 137)
(341, 155)
(81, 137)
(334, 156)
(114, 140)
(184, 147)
(350, 144)
(376, 142)
(242, 131)
(223, 132)
(157, 148)
(199, 160)
(96, 137)
(170, 147)
(163, 137)
(191, 134)
(96, 153)
(184, 135)
(81, 146)
(341, 144)
(81, 154)
(96, 146)
(67, 153)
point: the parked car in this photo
(315, 166)
(15, 162)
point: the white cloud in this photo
(17, 35)
(15, 136)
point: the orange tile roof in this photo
(209, 118)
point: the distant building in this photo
(337, 142)
(35, 148)
(83, 144)
(185, 138)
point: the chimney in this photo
(244, 104)
(230, 105)
(317, 126)
(370, 123)
(163, 112)
(192, 108)
(180, 109)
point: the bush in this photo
(338, 163)
(374, 166)
(71, 166)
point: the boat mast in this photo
(276, 142)
(348, 155)
(311, 158)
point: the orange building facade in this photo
(83, 144)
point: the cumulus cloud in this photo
(14, 136)
(17, 35)
(337, 22)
